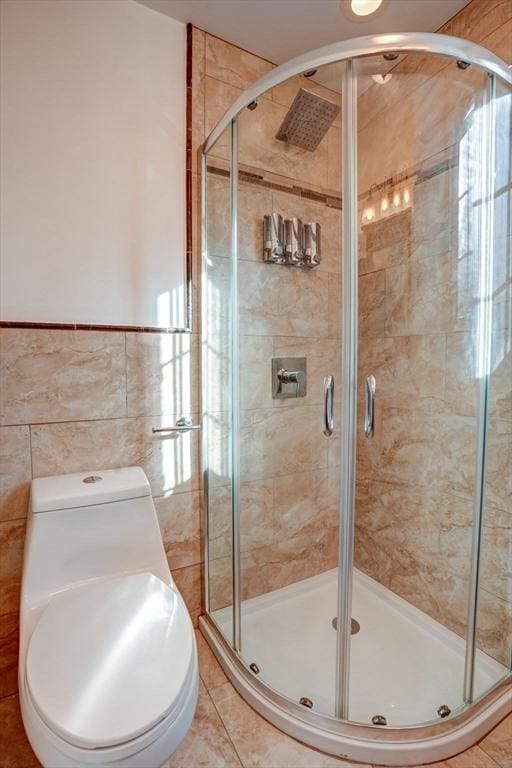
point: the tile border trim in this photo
(418, 173)
(90, 327)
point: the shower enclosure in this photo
(357, 406)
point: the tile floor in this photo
(227, 733)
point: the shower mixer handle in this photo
(328, 405)
(292, 377)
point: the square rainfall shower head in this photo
(307, 121)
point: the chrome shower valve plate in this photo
(284, 368)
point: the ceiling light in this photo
(363, 10)
(364, 7)
(382, 79)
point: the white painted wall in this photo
(93, 130)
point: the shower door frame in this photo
(323, 731)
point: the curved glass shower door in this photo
(425, 147)
(216, 370)
(357, 234)
(287, 340)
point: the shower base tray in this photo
(404, 666)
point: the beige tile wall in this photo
(416, 476)
(77, 400)
(418, 312)
(288, 522)
(420, 111)
(416, 481)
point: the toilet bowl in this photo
(108, 672)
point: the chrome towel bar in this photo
(184, 424)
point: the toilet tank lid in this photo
(84, 489)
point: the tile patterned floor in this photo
(227, 733)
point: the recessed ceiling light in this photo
(364, 7)
(363, 10)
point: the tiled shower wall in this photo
(416, 476)
(413, 528)
(289, 497)
(419, 305)
(288, 516)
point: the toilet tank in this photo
(83, 489)
(90, 525)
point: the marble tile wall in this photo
(416, 477)
(421, 110)
(415, 338)
(419, 336)
(288, 521)
(77, 400)
(228, 71)
(288, 524)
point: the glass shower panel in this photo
(217, 325)
(289, 326)
(494, 614)
(421, 158)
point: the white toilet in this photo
(108, 672)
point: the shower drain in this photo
(354, 626)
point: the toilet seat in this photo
(68, 755)
(109, 660)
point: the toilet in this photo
(108, 671)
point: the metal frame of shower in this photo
(346, 52)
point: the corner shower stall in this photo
(357, 406)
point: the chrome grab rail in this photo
(184, 424)
(369, 406)
(328, 405)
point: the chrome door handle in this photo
(328, 405)
(369, 409)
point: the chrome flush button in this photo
(92, 479)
